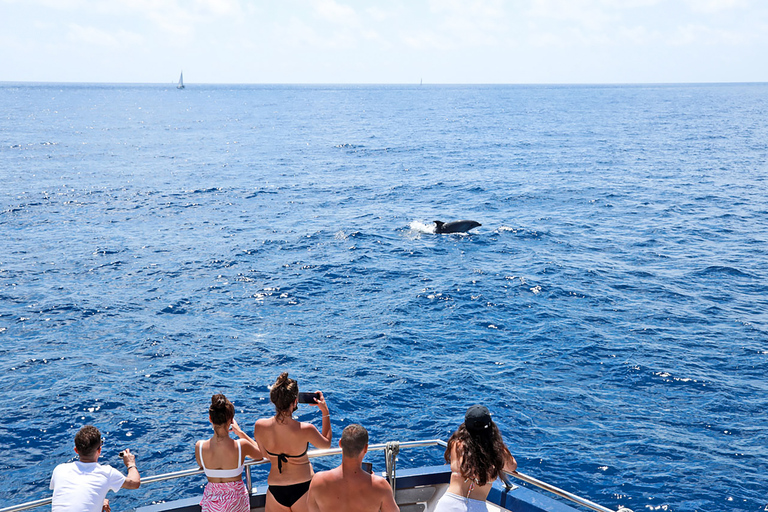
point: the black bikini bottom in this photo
(287, 495)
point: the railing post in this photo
(390, 455)
(508, 485)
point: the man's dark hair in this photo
(354, 439)
(88, 441)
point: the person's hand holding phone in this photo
(320, 402)
(234, 427)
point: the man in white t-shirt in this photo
(82, 486)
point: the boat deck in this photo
(418, 490)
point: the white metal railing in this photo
(564, 494)
(387, 447)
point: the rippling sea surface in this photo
(158, 246)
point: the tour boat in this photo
(416, 490)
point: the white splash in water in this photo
(420, 227)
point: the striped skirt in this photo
(225, 497)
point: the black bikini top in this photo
(282, 457)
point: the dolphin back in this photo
(457, 226)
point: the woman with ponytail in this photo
(222, 458)
(477, 455)
(285, 442)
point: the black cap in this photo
(478, 418)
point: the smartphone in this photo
(368, 467)
(308, 398)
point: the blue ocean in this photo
(160, 245)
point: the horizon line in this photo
(378, 84)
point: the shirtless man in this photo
(348, 488)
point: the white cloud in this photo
(606, 23)
(427, 40)
(458, 23)
(632, 4)
(591, 14)
(298, 34)
(11, 44)
(380, 14)
(700, 35)
(716, 6)
(53, 4)
(372, 35)
(101, 38)
(546, 39)
(334, 12)
(480, 13)
(197, 9)
(220, 7)
(638, 36)
(335, 26)
(311, 38)
(176, 18)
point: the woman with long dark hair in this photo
(222, 458)
(477, 455)
(285, 442)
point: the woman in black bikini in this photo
(285, 442)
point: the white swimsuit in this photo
(454, 503)
(222, 473)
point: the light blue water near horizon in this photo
(161, 245)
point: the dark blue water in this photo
(157, 246)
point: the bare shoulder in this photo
(262, 423)
(320, 478)
(306, 426)
(309, 433)
(380, 484)
(323, 479)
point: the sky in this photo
(384, 42)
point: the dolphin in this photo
(457, 226)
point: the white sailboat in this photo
(181, 81)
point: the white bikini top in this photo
(222, 473)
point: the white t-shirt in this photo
(82, 486)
